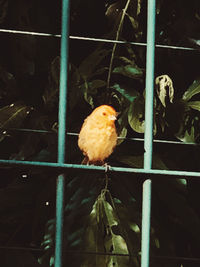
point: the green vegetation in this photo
(101, 215)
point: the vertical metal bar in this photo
(63, 81)
(146, 222)
(62, 130)
(59, 220)
(148, 138)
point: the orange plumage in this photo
(98, 136)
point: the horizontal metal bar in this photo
(96, 39)
(60, 166)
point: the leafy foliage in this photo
(102, 214)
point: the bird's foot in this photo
(85, 161)
(107, 167)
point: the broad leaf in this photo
(136, 115)
(192, 90)
(128, 93)
(95, 84)
(187, 137)
(8, 85)
(88, 66)
(50, 96)
(90, 90)
(12, 116)
(194, 105)
(122, 129)
(179, 209)
(164, 89)
(134, 23)
(132, 161)
(122, 135)
(101, 237)
(138, 161)
(129, 71)
(74, 92)
(40, 131)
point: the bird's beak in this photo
(112, 117)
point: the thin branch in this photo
(115, 44)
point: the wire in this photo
(120, 138)
(21, 248)
(104, 253)
(95, 39)
(30, 33)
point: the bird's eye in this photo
(104, 113)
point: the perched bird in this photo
(98, 136)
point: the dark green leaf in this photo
(187, 137)
(192, 90)
(88, 66)
(132, 161)
(12, 116)
(50, 96)
(8, 85)
(136, 115)
(95, 84)
(55, 70)
(194, 105)
(90, 90)
(138, 161)
(128, 93)
(129, 71)
(75, 93)
(122, 129)
(134, 23)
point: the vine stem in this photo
(116, 39)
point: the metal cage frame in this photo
(148, 137)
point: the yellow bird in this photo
(98, 136)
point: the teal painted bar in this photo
(146, 222)
(150, 55)
(59, 166)
(148, 136)
(63, 81)
(62, 130)
(59, 220)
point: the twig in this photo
(115, 44)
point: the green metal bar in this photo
(146, 215)
(63, 82)
(146, 222)
(148, 137)
(59, 166)
(59, 220)
(62, 131)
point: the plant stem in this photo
(117, 39)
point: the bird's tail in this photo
(86, 161)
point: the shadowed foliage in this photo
(102, 212)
